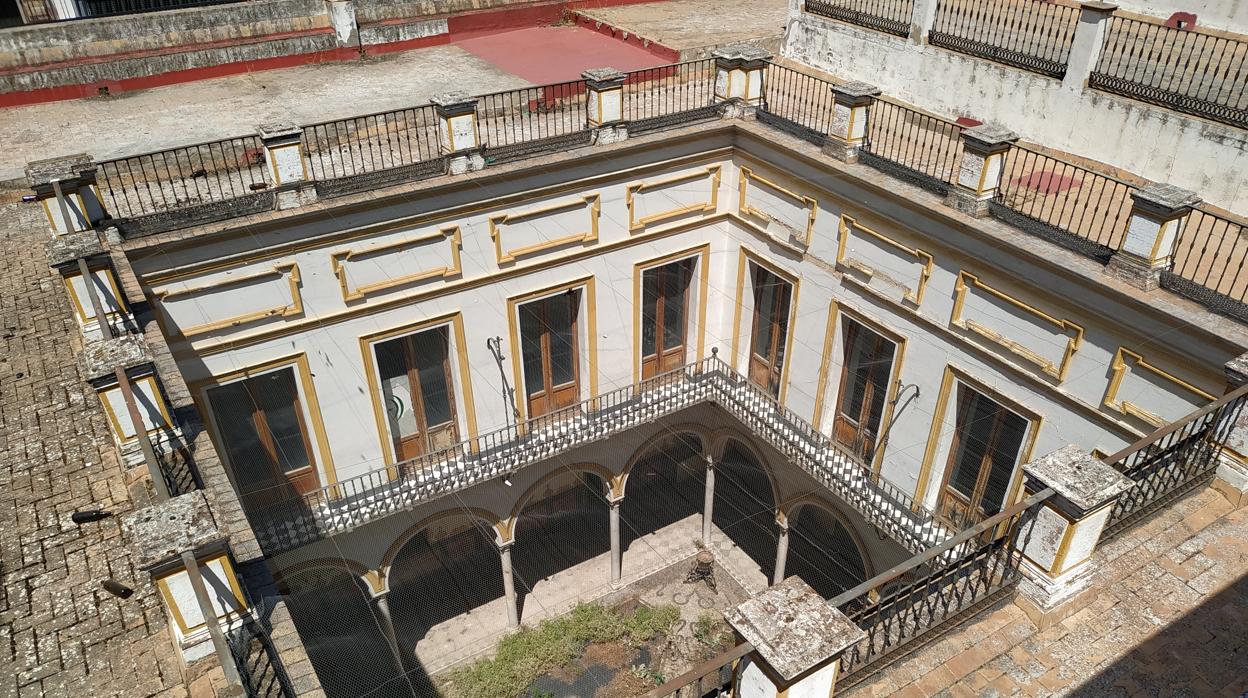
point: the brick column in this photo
(65, 189)
(1056, 562)
(850, 113)
(1158, 214)
(739, 73)
(798, 641)
(979, 174)
(1085, 51)
(605, 99)
(458, 135)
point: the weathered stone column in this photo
(65, 189)
(1158, 214)
(458, 135)
(605, 98)
(782, 550)
(509, 585)
(1232, 475)
(1056, 562)
(983, 157)
(798, 640)
(616, 568)
(851, 110)
(385, 623)
(739, 75)
(922, 19)
(1085, 51)
(708, 502)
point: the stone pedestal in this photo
(66, 191)
(605, 104)
(851, 110)
(1158, 213)
(798, 641)
(1085, 49)
(739, 74)
(979, 174)
(1232, 474)
(283, 153)
(1057, 557)
(458, 134)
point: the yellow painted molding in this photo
(746, 210)
(83, 309)
(713, 172)
(913, 294)
(232, 578)
(339, 259)
(593, 202)
(295, 307)
(1073, 332)
(158, 397)
(1120, 366)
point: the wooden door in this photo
(260, 421)
(769, 330)
(986, 446)
(550, 353)
(664, 317)
(418, 392)
(865, 369)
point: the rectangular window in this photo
(986, 446)
(261, 425)
(865, 369)
(770, 329)
(664, 317)
(418, 392)
(549, 353)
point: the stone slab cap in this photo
(42, 172)
(100, 359)
(747, 53)
(1098, 6)
(68, 249)
(1237, 370)
(603, 76)
(1079, 477)
(1164, 198)
(278, 130)
(166, 529)
(793, 627)
(455, 101)
(989, 135)
(856, 88)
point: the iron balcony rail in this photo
(715, 674)
(1183, 70)
(1035, 36)
(890, 16)
(1172, 460)
(1209, 261)
(669, 96)
(915, 147)
(798, 103)
(359, 500)
(369, 143)
(517, 123)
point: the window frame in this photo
(891, 382)
(695, 303)
(586, 341)
(743, 351)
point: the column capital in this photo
(1083, 482)
(41, 173)
(279, 131)
(453, 103)
(855, 93)
(710, 461)
(65, 251)
(1104, 8)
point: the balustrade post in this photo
(1085, 50)
(851, 112)
(285, 166)
(1231, 478)
(922, 19)
(782, 549)
(708, 502)
(509, 585)
(65, 188)
(739, 73)
(798, 640)
(604, 89)
(1056, 562)
(979, 174)
(1158, 214)
(459, 136)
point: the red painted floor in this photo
(544, 55)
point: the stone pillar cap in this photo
(989, 135)
(1237, 370)
(793, 628)
(1098, 6)
(42, 172)
(741, 52)
(856, 88)
(603, 75)
(1079, 477)
(278, 129)
(68, 249)
(455, 98)
(100, 359)
(166, 529)
(1165, 197)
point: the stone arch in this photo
(668, 488)
(370, 577)
(705, 436)
(726, 436)
(747, 498)
(502, 534)
(818, 552)
(601, 471)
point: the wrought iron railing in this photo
(259, 665)
(517, 123)
(670, 95)
(891, 16)
(140, 185)
(902, 608)
(1184, 70)
(1209, 261)
(1172, 460)
(353, 502)
(1070, 205)
(709, 678)
(370, 143)
(1031, 35)
(919, 148)
(799, 103)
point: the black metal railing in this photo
(371, 143)
(669, 96)
(259, 665)
(1172, 460)
(891, 16)
(902, 608)
(40, 11)
(1184, 70)
(1209, 260)
(799, 103)
(919, 148)
(518, 123)
(1028, 34)
(171, 179)
(1067, 204)
(709, 678)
